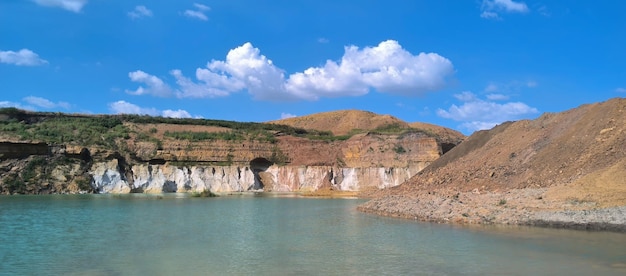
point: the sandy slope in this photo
(518, 171)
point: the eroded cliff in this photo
(52, 153)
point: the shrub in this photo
(204, 193)
(399, 149)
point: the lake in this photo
(174, 234)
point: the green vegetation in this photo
(502, 202)
(394, 128)
(141, 136)
(206, 136)
(107, 130)
(14, 184)
(30, 171)
(83, 183)
(399, 149)
(38, 170)
(205, 193)
(278, 157)
(57, 128)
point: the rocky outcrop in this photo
(146, 178)
(361, 150)
(10, 150)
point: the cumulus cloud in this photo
(211, 85)
(198, 13)
(22, 57)
(176, 113)
(476, 114)
(123, 107)
(386, 67)
(154, 85)
(139, 12)
(284, 115)
(45, 103)
(70, 5)
(491, 8)
(245, 67)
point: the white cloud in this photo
(490, 15)
(70, 5)
(45, 103)
(245, 67)
(480, 114)
(198, 13)
(491, 8)
(212, 85)
(505, 5)
(476, 125)
(497, 97)
(154, 85)
(512, 86)
(176, 113)
(386, 68)
(620, 90)
(22, 57)
(123, 107)
(543, 10)
(284, 115)
(323, 40)
(139, 12)
(465, 96)
(201, 7)
(12, 104)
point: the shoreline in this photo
(523, 207)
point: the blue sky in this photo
(466, 65)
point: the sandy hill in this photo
(342, 122)
(570, 160)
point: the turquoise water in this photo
(260, 235)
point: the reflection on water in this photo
(269, 235)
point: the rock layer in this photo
(107, 178)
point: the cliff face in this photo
(364, 161)
(108, 178)
(360, 150)
(56, 153)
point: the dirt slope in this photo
(572, 160)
